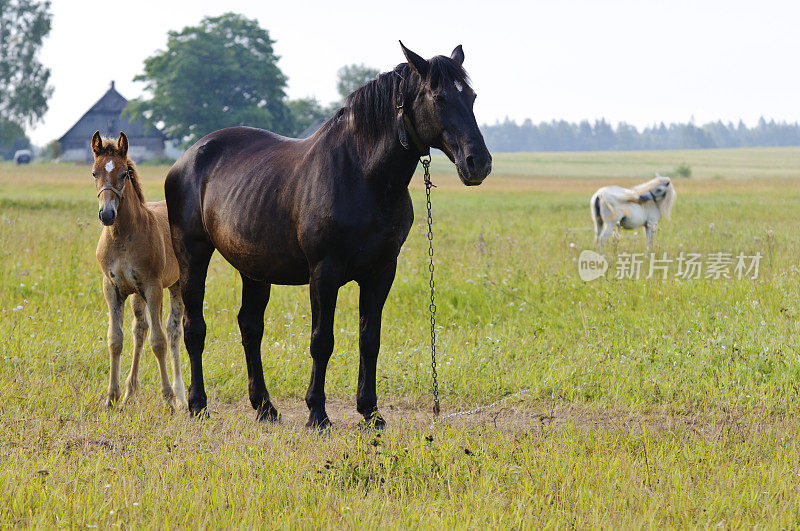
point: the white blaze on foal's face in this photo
(459, 86)
(109, 166)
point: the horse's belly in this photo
(256, 261)
(634, 218)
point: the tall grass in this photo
(674, 401)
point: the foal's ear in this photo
(122, 144)
(417, 63)
(458, 55)
(97, 143)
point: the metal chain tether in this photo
(426, 164)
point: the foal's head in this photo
(112, 171)
(443, 115)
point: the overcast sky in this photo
(636, 61)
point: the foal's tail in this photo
(594, 206)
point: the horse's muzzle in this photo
(107, 216)
(475, 167)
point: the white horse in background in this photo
(644, 205)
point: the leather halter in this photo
(118, 193)
(405, 129)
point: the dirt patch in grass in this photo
(520, 417)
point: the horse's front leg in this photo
(324, 288)
(140, 328)
(650, 228)
(116, 311)
(374, 291)
(154, 295)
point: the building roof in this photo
(104, 116)
(311, 129)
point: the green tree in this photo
(351, 77)
(51, 151)
(306, 111)
(12, 138)
(23, 79)
(220, 73)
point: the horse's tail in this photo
(597, 217)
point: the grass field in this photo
(650, 402)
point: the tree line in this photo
(559, 135)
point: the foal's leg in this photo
(116, 311)
(154, 295)
(255, 296)
(174, 338)
(370, 306)
(140, 327)
(324, 288)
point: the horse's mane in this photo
(109, 148)
(664, 204)
(374, 105)
(652, 183)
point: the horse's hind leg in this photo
(608, 229)
(370, 306)
(116, 310)
(154, 295)
(194, 256)
(255, 296)
(140, 327)
(598, 229)
(324, 289)
(174, 337)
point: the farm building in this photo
(105, 116)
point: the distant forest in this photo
(559, 135)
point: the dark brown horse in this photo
(322, 211)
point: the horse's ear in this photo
(97, 143)
(458, 55)
(417, 63)
(122, 144)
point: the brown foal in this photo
(136, 256)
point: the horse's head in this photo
(443, 117)
(111, 172)
(664, 194)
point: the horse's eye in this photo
(94, 174)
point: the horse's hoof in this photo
(319, 422)
(197, 406)
(113, 398)
(198, 412)
(180, 398)
(373, 421)
(268, 413)
(203, 414)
